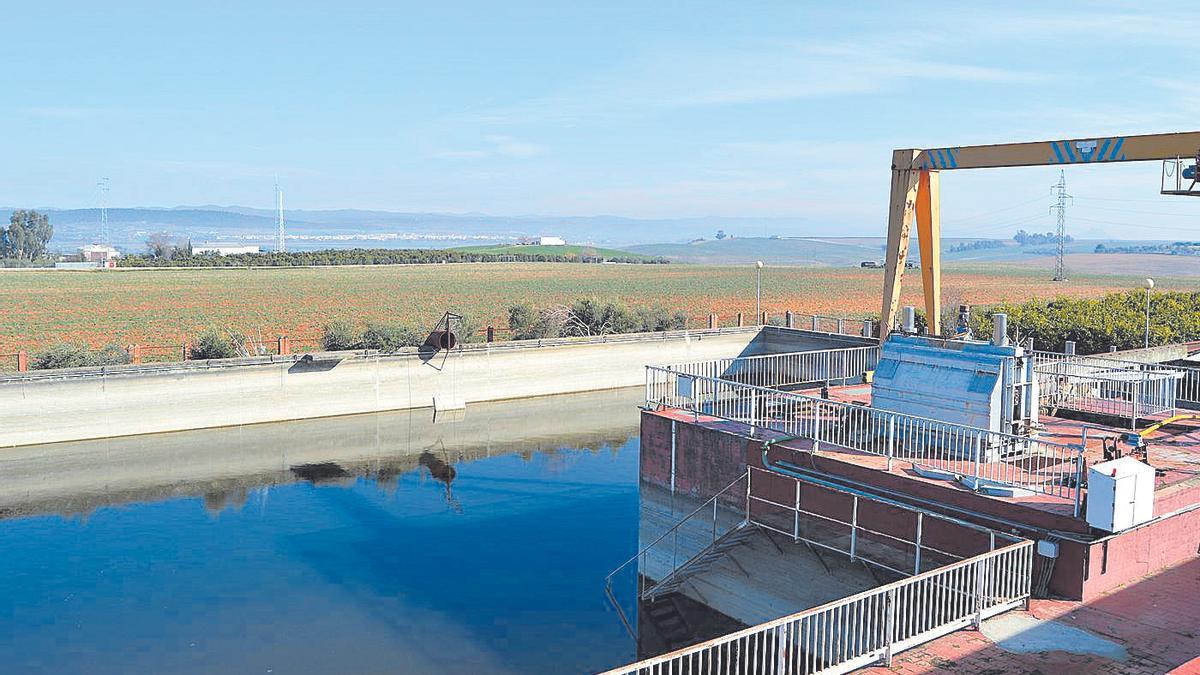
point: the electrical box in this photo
(1120, 494)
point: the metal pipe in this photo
(910, 320)
(1000, 329)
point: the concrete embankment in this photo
(223, 465)
(48, 406)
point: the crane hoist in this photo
(915, 194)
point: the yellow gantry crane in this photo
(915, 193)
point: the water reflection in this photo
(376, 543)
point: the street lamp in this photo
(1149, 285)
(758, 265)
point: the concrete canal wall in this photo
(53, 406)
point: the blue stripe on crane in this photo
(1103, 150)
(1070, 152)
(1116, 149)
(1057, 152)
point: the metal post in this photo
(920, 523)
(841, 326)
(891, 628)
(789, 319)
(740, 321)
(491, 334)
(854, 529)
(712, 320)
(1149, 285)
(758, 288)
(816, 322)
(22, 361)
(891, 441)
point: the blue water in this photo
(503, 575)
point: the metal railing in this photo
(697, 532)
(885, 550)
(862, 629)
(980, 456)
(793, 369)
(1187, 390)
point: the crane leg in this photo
(929, 238)
(900, 217)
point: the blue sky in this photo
(665, 109)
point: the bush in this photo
(469, 330)
(111, 355)
(1117, 319)
(340, 336)
(525, 322)
(212, 344)
(79, 356)
(63, 356)
(389, 337)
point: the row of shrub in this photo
(386, 337)
(361, 256)
(588, 316)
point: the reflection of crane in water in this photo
(443, 472)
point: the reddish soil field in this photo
(162, 308)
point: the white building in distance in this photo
(98, 253)
(551, 241)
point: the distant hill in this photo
(847, 251)
(129, 227)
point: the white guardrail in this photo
(794, 369)
(978, 454)
(1121, 388)
(862, 629)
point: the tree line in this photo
(165, 253)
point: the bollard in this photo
(284, 345)
(739, 320)
(491, 334)
(135, 353)
(789, 319)
(22, 361)
(712, 320)
(762, 320)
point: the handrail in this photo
(608, 580)
(849, 633)
(1028, 463)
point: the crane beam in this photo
(915, 193)
(1149, 147)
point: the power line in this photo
(102, 185)
(1060, 211)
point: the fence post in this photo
(890, 620)
(22, 361)
(739, 320)
(186, 349)
(491, 333)
(841, 326)
(284, 345)
(866, 331)
(917, 556)
(979, 592)
(816, 322)
(789, 319)
(135, 353)
(762, 320)
(712, 320)
(891, 441)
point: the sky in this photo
(641, 109)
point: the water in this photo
(253, 554)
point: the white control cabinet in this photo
(1120, 494)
